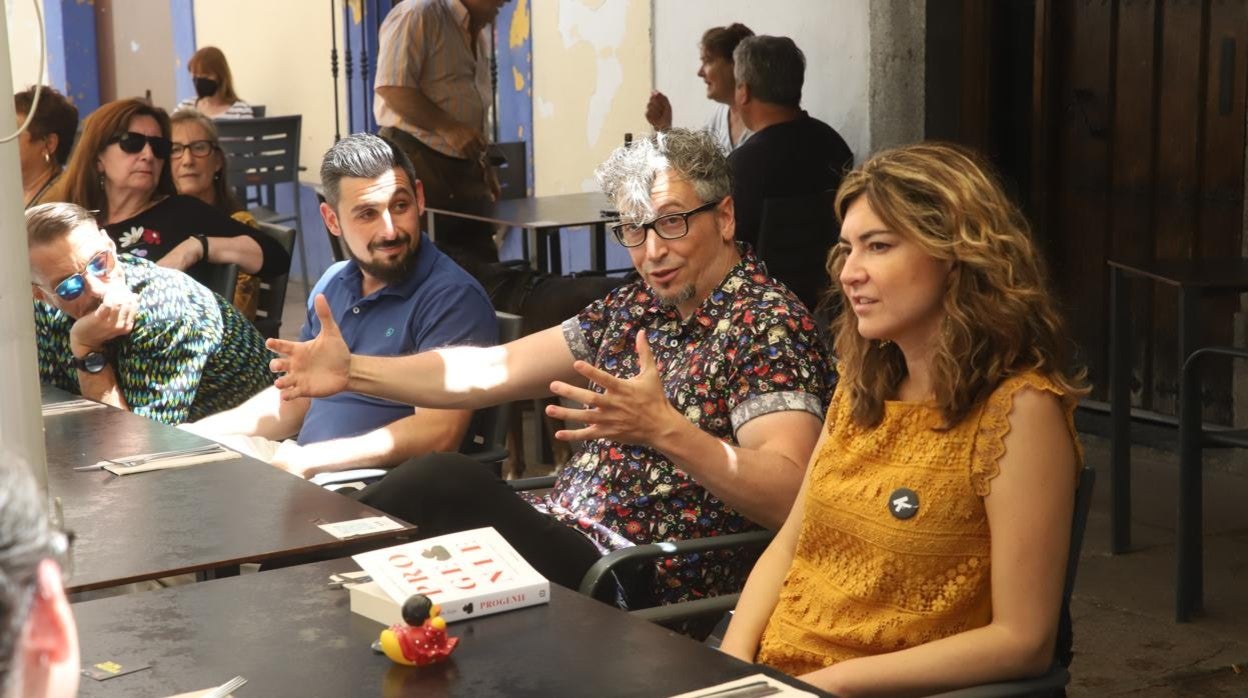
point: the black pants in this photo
(447, 492)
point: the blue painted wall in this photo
(182, 13)
(73, 61)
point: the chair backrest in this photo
(219, 278)
(488, 429)
(513, 174)
(261, 153)
(1083, 503)
(793, 241)
(258, 110)
(335, 242)
(272, 299)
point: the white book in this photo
(469, 574)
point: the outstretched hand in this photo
(316, 368)
(632, 411)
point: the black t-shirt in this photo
(154, 232)
(803, 156)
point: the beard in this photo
(391, 271)
(671, 300)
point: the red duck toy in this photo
(421, 639)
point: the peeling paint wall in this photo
(591, 79)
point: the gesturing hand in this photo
(316, 368)
(659, 111)
(632, 411)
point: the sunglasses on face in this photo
(99, 266)
(199, 149)
(131, 142)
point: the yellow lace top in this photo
(864, 581)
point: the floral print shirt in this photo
(751, 349)
(189, 355)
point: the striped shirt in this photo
(425, 44)
(237, 110)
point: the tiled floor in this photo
(1126, 641)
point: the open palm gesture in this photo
(316, 368)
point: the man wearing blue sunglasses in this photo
(123, 331)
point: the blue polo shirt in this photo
(439, 305)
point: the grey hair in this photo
(47, 223)
(26, 538)
(773, 67)
(364, 156)
(629, 173)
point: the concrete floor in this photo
(1126, 641)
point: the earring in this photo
(883, 344)
(47, 158)
(101, 181)
(216, 176)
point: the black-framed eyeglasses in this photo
(132, 142)
(99, 266)
(199, 149)
(669, 226)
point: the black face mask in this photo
(206, 87)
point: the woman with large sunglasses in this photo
(119, 170)
(198, 166)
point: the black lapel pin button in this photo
(903, 503)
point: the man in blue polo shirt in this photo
(397, 294)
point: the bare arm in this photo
(762, 589)
(114, 317)
(415, 108)
(265, 414)
(1029, 513)
(759, 477)
(424, 432)
(453, 378)
(240, 250)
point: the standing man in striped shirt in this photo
(433, 92)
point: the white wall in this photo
(23, 43)
(834, 35)
(591, 78)
(279, 58)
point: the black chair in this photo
(258, 110)
(272, 301)
(219, 278)
(1193, 439)
(485, 441)
(606, 575)
(513, 172)
(793, 241)
(261, 154)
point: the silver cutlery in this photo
(226, 688)
(143, 459)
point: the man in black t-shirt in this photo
(790, 153)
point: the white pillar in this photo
(21, 421)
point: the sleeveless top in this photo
(864, 580)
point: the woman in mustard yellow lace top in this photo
(927, 548)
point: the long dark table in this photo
(290, 635)
(192, 519)
(542, 217)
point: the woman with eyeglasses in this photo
(198, 165)
(120, 170)
(45, 145)
(214, 87)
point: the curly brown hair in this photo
(1000, 318)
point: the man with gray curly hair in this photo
(701, 387)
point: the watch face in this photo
(94, 362)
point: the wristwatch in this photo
(93, 362)
(203, 242)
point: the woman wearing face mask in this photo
(725, 125)
(198, 167)
(44, 146)
(214, 87)
(119, 169)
